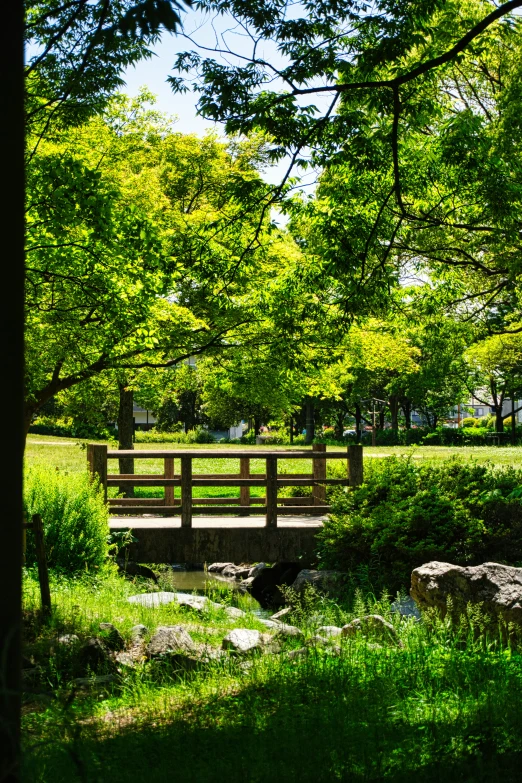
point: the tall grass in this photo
(75, 519)
(443, 707)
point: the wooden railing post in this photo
(186, 491)
(244, 473)
(319, 472)
(41, 559)
(97, 463)
(271, 492)
(355, 465)
(168, 473)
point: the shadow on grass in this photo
(298, 726)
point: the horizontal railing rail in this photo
(187, 505)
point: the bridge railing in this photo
(188, 505)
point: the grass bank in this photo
(442, 706)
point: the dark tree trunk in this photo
(394, 410)
(513, 422)
(126, 434)
(406, 409)
(358, 418)
(11, 391)
(381, 418)
(339, 425)
(291, 428)
(257, 424)
(310, 425)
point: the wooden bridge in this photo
(217, 531)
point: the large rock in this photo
(94, 655)
(496, 589)
(244, 640)
(170, 640)
(217, 568)
(323, 581)
(233, 612)
(200, 603)
(112, 637)
(329, 631)
(266, 585)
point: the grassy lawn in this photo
(440, 707)
(58, 453)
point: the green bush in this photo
(70, 428)
(406, 514)
(199, 435)
(75, 519)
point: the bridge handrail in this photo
(98, 456)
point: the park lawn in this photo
(58, 453)
(443, 706)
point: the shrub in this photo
(406, 514)
(70, 428)
(199, 435)
(75, 519)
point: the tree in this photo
(412, 113)
(11, 393)
(136, 256)
(497, 365)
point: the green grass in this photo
(444, 707)
(55, 453)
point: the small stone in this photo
(102, 679)
(217, 568)
(129, 659)
(300, 653)
(242, 640)
(151, 600)
(288, 630)
(243, 573)
(113, 638)
(230, 570)
(234, 613)
(281, 613)
(199, 603)
(246, 583)
(374, 624)
(138, 632)
(269, 623)
(329, 630)
(67, 639)
(255, 570)
(316, 641)
(170, 640)
(93, 654)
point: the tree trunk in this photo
(257, 424)
(406, 409)
(126, 434)
(513, 422)
(339, 425)
(358, 422)
(394, 410)
(12, 320)
(381, 418)
(291, 429)
(310, 425)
